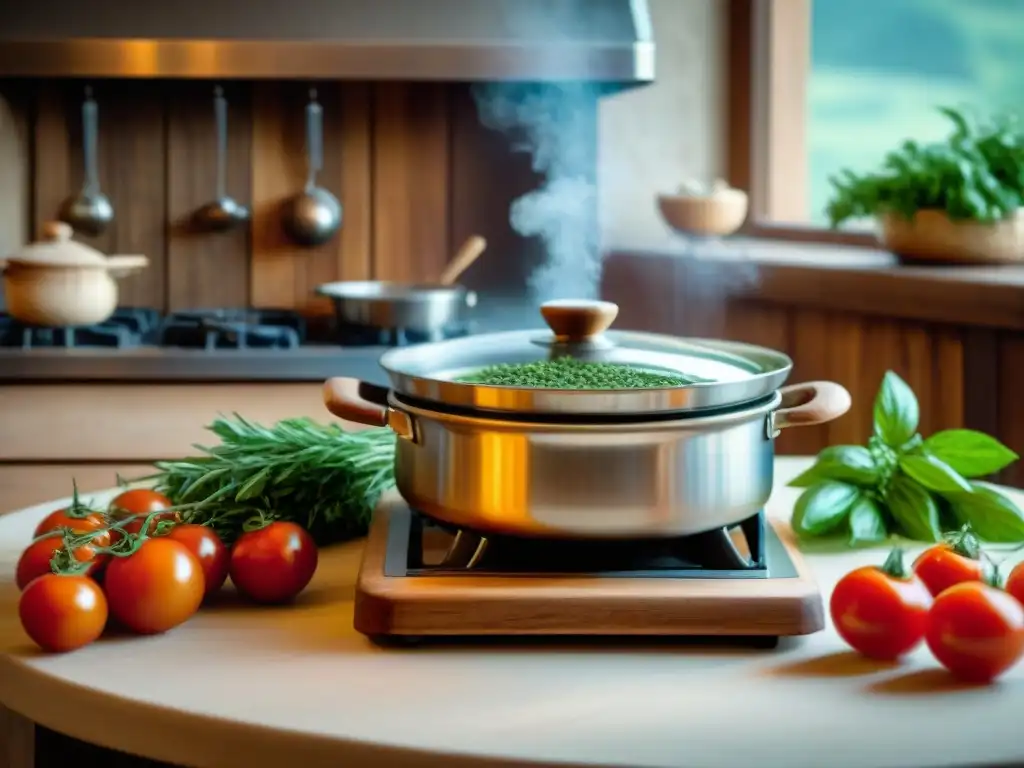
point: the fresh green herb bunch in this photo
(321, 477)
(976, 174)
(906, 485)
(570, 373)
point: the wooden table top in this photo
(253, 687)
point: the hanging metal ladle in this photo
(313, 216)
(90, 210)
(223, 212)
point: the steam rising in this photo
(555, 125)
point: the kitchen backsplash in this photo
(415, 172)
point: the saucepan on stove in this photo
(59, 282)
(425, 307)
(682, 441)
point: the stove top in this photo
(210, 329)
(419, 546)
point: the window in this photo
(820, 85)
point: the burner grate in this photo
(355, 335)
(233, 329)
(127, 327)
(422, 547)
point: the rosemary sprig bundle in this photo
(322, 477)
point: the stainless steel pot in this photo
(610, 475)
(386, 305)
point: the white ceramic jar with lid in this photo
(60, 282)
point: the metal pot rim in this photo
(552, 423)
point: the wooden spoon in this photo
(467, 254)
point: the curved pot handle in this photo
(804, 405)
(355, 400)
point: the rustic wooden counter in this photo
(249, 687)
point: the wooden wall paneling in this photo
(16, 162)
(132, 170)
(810, 347)
(982, 383)
(487, 175)
(411, 168)
(1011, 404)
(205, 269)
(948, 389)
(285, 274)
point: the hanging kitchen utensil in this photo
(88, 212)
(615, 463)
(423, 307)
(312, 217)
(59, 282)
(223, 212)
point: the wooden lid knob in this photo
(573, 320)
(57, 231)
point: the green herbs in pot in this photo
(570, 373)
(975, 174)
(904, 484)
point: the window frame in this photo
(768, 47)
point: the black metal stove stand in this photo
(355, 335)
(233, 329)
(709, 555)
(127, 327)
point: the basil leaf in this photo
(848, 463)
(934, 474)
(993, 516)
(896, 411)
(867, 523)
(971, 453)
(913, 509)
(823, 507)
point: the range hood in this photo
(443, 40)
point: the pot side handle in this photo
(348, 399)
(816, 402)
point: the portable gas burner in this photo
(420, 579)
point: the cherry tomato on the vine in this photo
(35, 560)
(208, 549)
(62, 613)
(137, 503)
(945, 565)
(1015, 582)
(155, 588)
(86, 523)
(881, 612)
(273, 564)
(976, 631)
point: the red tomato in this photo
(156, 588)
(1015, 582)
(208, 549)
(62, 613)
(881, 612)
(92, 521)
(976, 631)
(273, 564)
(141, 502)
(35, 560)
(942, 566)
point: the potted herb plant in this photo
(957, 200)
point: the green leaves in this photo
(821, 508)
(896, 411)
(933, 474)
(992, 516)
(904, 484)
(848, 463)
(970, 453)
(914, 509)
(976, 173)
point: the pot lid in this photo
(688, 374)
(57, 249)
